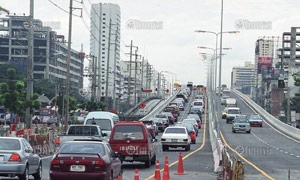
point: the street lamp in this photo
(173, 75)
(216, 34)
(216, 57)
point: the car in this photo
(172, 109)
(170, 116)
(152, 128)
(197, 118)
(164, 118)
(176, 137)
(17, 158)
(190, 129)
(196, 110)
(159, 124)
(255, 120)
(193, 122)
(232, 112)
(133, 142)
(85, 159)
(241, 123)
(198, 103)
(223, 99)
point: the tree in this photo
(13, 95)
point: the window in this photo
(134, 132)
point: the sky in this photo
(171, 44)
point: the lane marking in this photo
(246, 160)
(191, 153)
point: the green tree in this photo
(13, 95)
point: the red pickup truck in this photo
(132, 141)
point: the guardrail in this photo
(276, 123)
(159, 108)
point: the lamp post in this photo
(216, 57)
(173, 74)
(215, 50)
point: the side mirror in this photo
(104, 134)
(154, 140)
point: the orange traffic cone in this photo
(180, 170)
(166, 174)
(157, 171)
(119, 177)
(136, 175)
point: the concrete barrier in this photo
(274, 122)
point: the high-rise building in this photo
(105, 46)
(243, 77)
(50, 51)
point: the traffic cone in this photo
(166, 174)
(157, 171)
(119, 177)
(136, 175)
(180, 170)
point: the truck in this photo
(230, 102)
(232, 112)
(79, 131)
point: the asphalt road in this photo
(266, 153)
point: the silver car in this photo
(18, 159)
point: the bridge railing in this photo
(273, 121)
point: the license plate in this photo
(77, 168)
(173, 140)
(128, 158)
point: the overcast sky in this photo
(173, 45)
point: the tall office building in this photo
(105, 46)
(243, 77)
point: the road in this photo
(266, 153)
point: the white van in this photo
(106, 120)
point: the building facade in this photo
(105, 46)
(50, 51)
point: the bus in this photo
(48, 115)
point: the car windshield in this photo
(9, 144)
(105, 124)
(255, 116)
(189, 121)
(82, 148)
(241, 120)
(233, 111)
(198, 103)
(175, 131)
(161, 116)
(134, 132)
(193, 116)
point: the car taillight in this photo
(100, 163)
(55, 162)
(57, 141)
(15, 158)
(185, 140)
(162, 139)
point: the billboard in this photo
(264, 63)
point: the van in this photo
(230, 101)
(133, 142)
(106, 120)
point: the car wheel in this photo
(38, 175)
(153, 159)
(233, 131)
(260, 125)
(227, 121)
(25, 175)
(188, 147)
(147, 163)
(249, 132)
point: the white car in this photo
(176, 137)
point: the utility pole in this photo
(129, 77)
(30, 64)
(115, 69)
(68, 65)
(135, 72)
(142, 77)
(107, 67)
(94, 75)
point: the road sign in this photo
(143, 105)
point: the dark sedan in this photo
(85, 160)
(18, 159)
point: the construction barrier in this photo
(166, 173)
(180, 169)
(232, 168)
